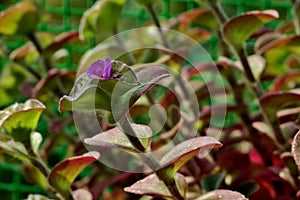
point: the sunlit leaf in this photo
(19, 19)
(237, 30)
(34, 176)
(36, 197)
(19, 120)
(14, 149)
(82, 194)
(95, 20)
(115, 138)
(222, 194)
(152, 186)
(182, 152)
(36, 140)
(64, 173)
(296, 148)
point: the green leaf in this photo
(19, 19)
(238, 29)
(64, 173)
(36, 197)
(14, 149)
(296, 148)
(222, 194)
(19, 120)
(273, 102)
(111, 95)
(278, 51)
(184, 151)
(212, 181)
(115, 138)
(95, 19)
(200, 17)
(152, 186)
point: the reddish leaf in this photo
(64, 173)
(184, 151)
(115, 138)
(152, 186)
(222, 194)
(285, 81)
(237, 30)
(56, 80)
(59, 41)
(273, 102)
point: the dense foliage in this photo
(151, 104)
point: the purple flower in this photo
(100, 69)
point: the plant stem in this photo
(157, 23)
(149, 160)
(219, 12)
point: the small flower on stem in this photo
(100, 69)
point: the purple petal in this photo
(107, 68)
(100, 69)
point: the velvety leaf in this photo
(285, 81)
(20, 54)
(273, 102)
(59, 42)
(112, 95)
(19, 120)
(296, 148)
(64, 173)
(36, 197)
(265, 39)
(153, 186)
(95, 20)
(14, 149)
(115, 138)
(290, 43)
(21, 18)
(184, 151)
(82, 194)
(222, 194)
(200, 17)
(237, 30)
(36, 140)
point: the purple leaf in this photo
(222, 194)
(152, 186)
